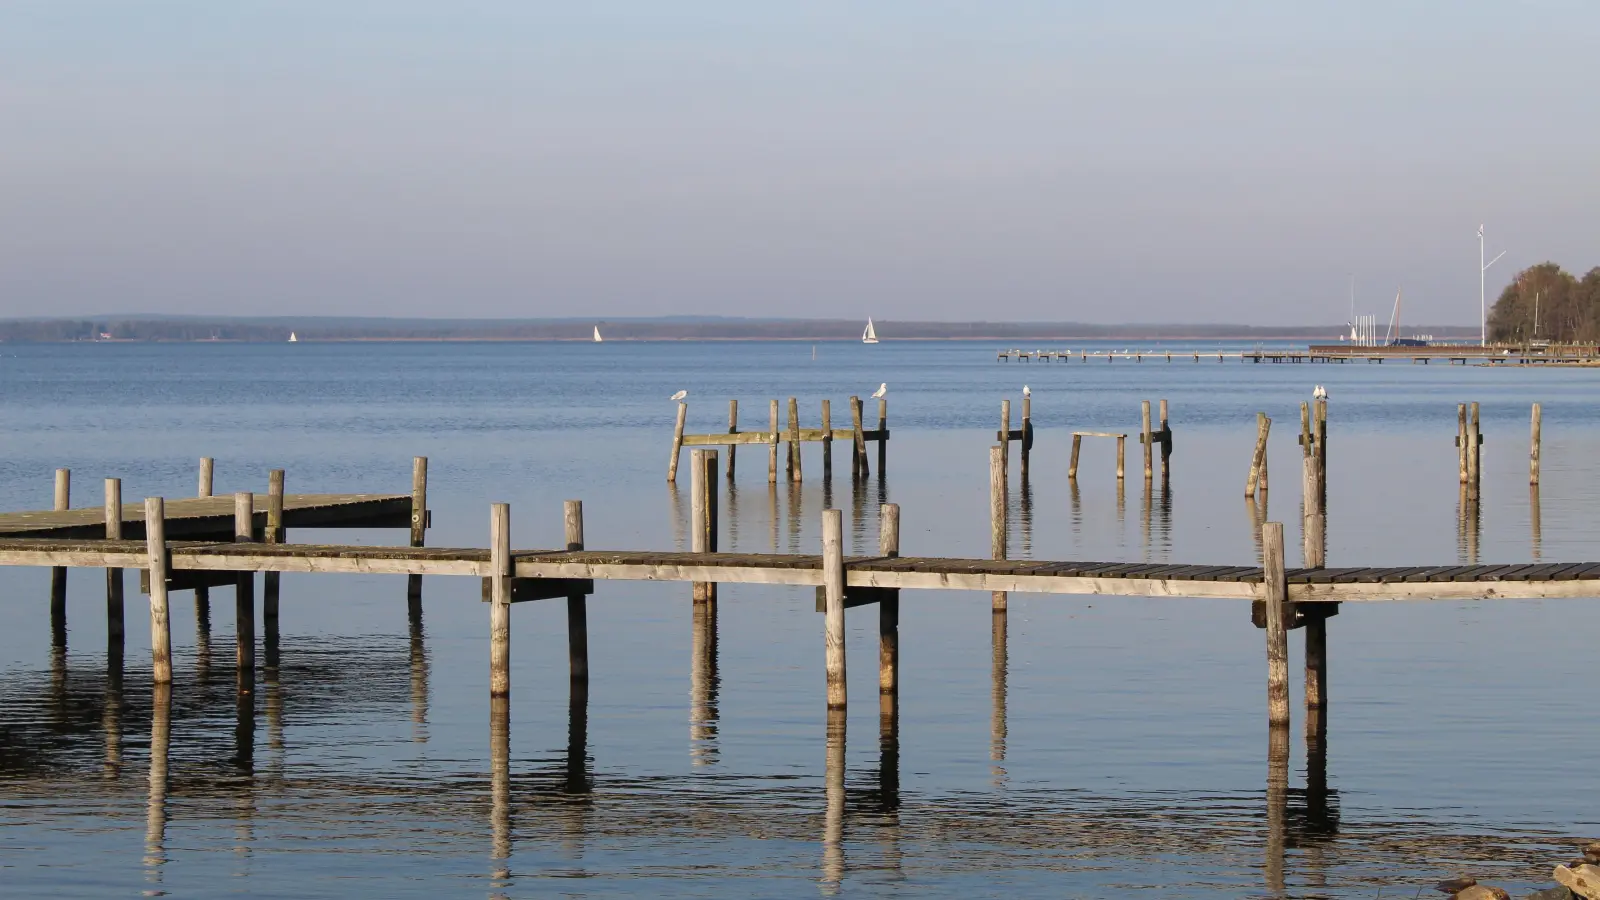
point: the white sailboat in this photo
(293, 339)
(597, 337)
(869, 336)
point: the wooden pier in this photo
(794, 436)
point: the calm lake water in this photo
(1108, 747)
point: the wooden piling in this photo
(1122, 453)
(577, 604)
(273, 534)
(1005, 435)
(1533, 444)
(677, 440)
(794, 440)
(58, 574)
(772, 443)
(1027, 435)
(1461, 440)
(500, 600)
(115, 622)
(1316, 630)
(245, 591)
(155, 531)
(833, 593)
(1166, 438)
(1474, 455)
(207, 468)
(733, 428)
(1072, 467)
(419, 530)
(1258, 461)
(703, 515)
(827, 442)
(1320, 419)
(1311, 544)
(883, 429)
(1275, 593)
(858, 467)
(1306, 439)
(889, 605)
(997, 513)
(1147, 438)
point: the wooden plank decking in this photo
(1480, 582)
(213, 516)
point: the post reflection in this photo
(1147, 512)
(704, 684)
(1277, 807)
(796, 509)
(1533, 522)
(202, 635)
(888, 796)
(155, 824)
(111, 718)
(244, 759)
(1076, 501)
(1164, 517)
(833, 817)
(500, 789)
(417, 656)
(997, 715)
(1025, 518)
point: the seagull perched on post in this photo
(882, 389)
(1319, 393)
(1026, 392)
(680, 395)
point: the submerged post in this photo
(827, 442)
(245, 592)
(207, 467)
(889, 605)
(794, 440)
(155, 532)
(500, 600)
(419, 528)
(577, 604)
(997, 514)
(114, 614)
(703, 515)
(833, 593)
(677, 440)
(1533, 444)
(1148, 439)
(1275, 593)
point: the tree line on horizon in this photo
(1545, 302)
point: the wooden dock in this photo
(215, 516)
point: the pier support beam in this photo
(115, 621)
(244, 594)
(58, 574)
(1474, 455)
(827, 444)
(833, 592)
(272, 534)
(577, 604)
(1275, 593)
(858, 467)
(703, 515)
(733, 428)
(1534, 441)
(794, 441)
(155, 530)
(500, 600)
(883, 443)
(888, 611)
(419, 530)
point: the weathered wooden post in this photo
(1533, 444)
(272, 534)
(1322, 451)
(703, 515)
(1311, 544)
(1005, 435)
(733, 428)
(500, 600)
(1072, 467)
(1474, 455)
(997, 514)
(58, 574)
(1166, 438)
(858, 468)
(577, 604)
(833, 594)
(155, 531)
(883, 431)
(419, 529)
(1027, 434)
(114, 615)
(1122, 455)
(207, 468)
(1461, 440)
(1147, 439)
(244, 611)
(889, 606)
(827, 442)
(794, 440)
(677, 440)
(772, 443)
(1258, 461)
(1275, 593)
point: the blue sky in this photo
(1099, 161)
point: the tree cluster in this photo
(1545, 303)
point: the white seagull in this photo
(882, 389)
(680, 395)
(1026, 392)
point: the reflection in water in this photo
(1277, 806)
(1533, 521)
(155, 823)
(500, 788)
(202, 634)
(796, 508)
(997, 714)
(111, 717)
(857, 521)
(1469, 527)
(1025, 518)
(1122, 507)
(1147, 512)
(704, 684)
(772, 515)
(833, 817)
(733, 509)
(116, 623)
(1077, 507)
(58, 609)
(417, 658)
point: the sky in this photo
(1116, 161)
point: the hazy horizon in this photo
(1023, 162)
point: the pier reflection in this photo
(997, 696)
(155, 823)
(1025, 518)
(1533, 523)
(833, 861)
(704, 685)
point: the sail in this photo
(292, 338)
(869, 336)
(597, 337)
